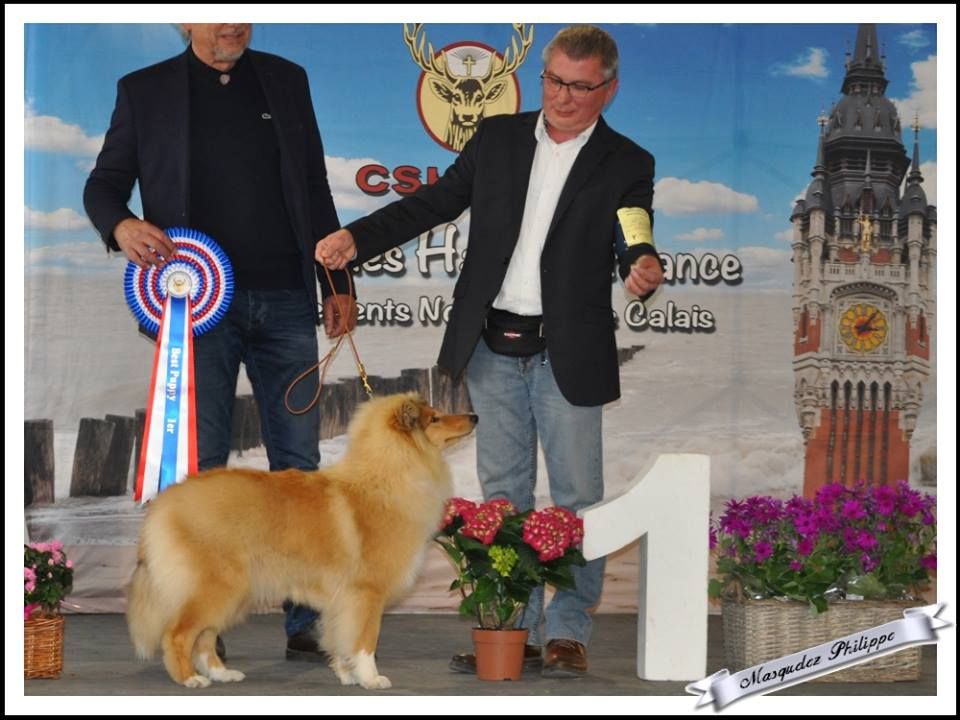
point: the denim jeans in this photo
(274, 334)
(517, 400)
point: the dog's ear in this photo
(408, 415)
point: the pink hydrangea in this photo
(551, 531)
(482, 522)
(454, 509)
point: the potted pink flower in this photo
(47, 579)
(500, 556)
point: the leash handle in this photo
(327, 359)
(361, 370)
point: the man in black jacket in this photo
(557, 201)
(224, 140)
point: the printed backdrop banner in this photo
(733, 115)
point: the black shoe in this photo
(221, 649)
(467, 662)
(304, 647)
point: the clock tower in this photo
(864, 287)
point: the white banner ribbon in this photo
(169, 451)
(917, 628)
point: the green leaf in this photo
(715, 588)
(485, 590)
(818, 604)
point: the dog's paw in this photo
(197, 681)
(380, 682)
(343, 671)
(365, 671)
(226, 675)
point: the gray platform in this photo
(413, 653)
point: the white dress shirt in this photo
(520, 292)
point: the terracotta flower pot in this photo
(499, 653)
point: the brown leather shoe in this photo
(564, 659)
(467, 662)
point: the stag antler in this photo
(519, 53)
(430, 62)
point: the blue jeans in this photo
(517, 400)
(274, 334)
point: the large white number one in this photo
(669, 510)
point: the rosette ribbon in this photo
(178, 301)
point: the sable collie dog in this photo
(345, 540)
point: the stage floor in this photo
(413, 653)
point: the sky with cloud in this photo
(729, 111)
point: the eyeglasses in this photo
(577, 90)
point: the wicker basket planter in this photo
(43, 647)
(756, 631)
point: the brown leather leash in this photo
(327, 359)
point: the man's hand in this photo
(143, 243)
(645, 276)
(336, 250)
(339, 315)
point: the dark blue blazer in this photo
(149, 141)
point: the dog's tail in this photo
(145, 620)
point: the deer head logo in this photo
(464, 82)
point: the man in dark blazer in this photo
(224, 140)
(557, 201)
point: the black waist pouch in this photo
(518, 335)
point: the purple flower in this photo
(885, 498)
(910, 501)
(798, 505)
(761, 551)
(843, 531)
(853, 510)
(713, 538)
(865, 540)
(850, 539)
(825, 520)
(806, 524)
(736, 526)
(829, 494)
(805, 546)
(910, 506)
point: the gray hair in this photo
(579, 42)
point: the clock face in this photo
(863, 327)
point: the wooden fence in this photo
(106, 448)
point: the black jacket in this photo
(149, 139)
(576, 267)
